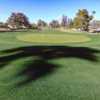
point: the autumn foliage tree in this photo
(18, 20)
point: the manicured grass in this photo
(49, 71)
(49, 38)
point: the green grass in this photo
(53, 39)
(73, 68)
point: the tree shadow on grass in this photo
(41, 66)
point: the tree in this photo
(70, 25)
(3, 25)
(93, 12)
(64, 21)
(54, 24)
(82, 20)
(41, 23)
(18, 20)
(34, 26)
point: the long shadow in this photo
(35, 70)
(41, 67)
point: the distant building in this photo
(94, 26)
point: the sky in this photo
(47, 9)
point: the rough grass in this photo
(33, 71)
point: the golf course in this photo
(49, 65)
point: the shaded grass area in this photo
(40, 66)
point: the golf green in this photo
(49, 38)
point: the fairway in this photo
(49, 38)
(49, 65)
(50, 50)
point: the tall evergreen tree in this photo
(54, 24)
(64, 21)
(41, 23)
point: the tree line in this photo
(20, 21)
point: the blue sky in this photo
(47, 9)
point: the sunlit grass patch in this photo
(49, 38)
